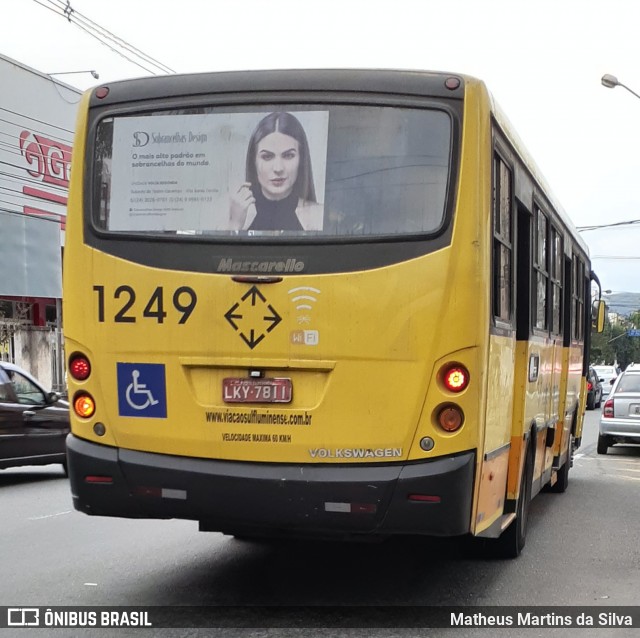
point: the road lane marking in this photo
(626, 459)
(38, 518)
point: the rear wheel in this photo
(604, 443)
(590, 402)
(512, 540)
(562, 480)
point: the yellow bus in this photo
(320, 303)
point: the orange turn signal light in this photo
(450, 418)
(84, 405)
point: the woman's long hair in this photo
(283, 122)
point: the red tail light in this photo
(589, 386)
(99, 480)
(607, 410)
(79, 367)
(455, 378)
(450, 418)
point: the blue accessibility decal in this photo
(142, 390)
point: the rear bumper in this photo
(275, 499)
(621, 428)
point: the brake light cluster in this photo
(83, 403)
(607, 410)
(455, 378)
(589, 386)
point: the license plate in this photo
(242, 390)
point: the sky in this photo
(542, 60)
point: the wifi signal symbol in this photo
(303, 297)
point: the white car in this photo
(607, 376)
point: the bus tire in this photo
(562, 480)
(511, 543)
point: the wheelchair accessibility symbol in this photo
(137, 394)
(142, 390)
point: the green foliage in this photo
(614, 345)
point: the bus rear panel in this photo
(282, 333)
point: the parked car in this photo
(34, 423)
(608, 375)
(594, 390)
(620, 420)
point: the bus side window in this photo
(502, 281)
(541, 271)
(578, 295)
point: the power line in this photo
(21, 214)
(614, 225)
(66, 130)
(35, 181)
(98, 33)
(623, 257)
(30, 199)
(71, 12)
(32, 180)
(12, 149)
(6, 210)
(13, 137)
(96, 37)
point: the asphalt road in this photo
(581, 550)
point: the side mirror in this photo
(598, 315)
(52, 397)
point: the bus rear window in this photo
(278, 170)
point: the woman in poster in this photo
(278, 193)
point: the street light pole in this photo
(611, 81)
(624, 334)
(93, 72)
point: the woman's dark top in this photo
(275, 215)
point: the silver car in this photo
(607, 375)
(620, 420)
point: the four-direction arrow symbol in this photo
(254, 335)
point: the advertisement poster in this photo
(219, 172)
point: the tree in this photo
(615, 345)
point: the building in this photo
(37, 120)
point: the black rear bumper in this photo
(275, 499)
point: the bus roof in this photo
(396, 82)
(410, 83)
